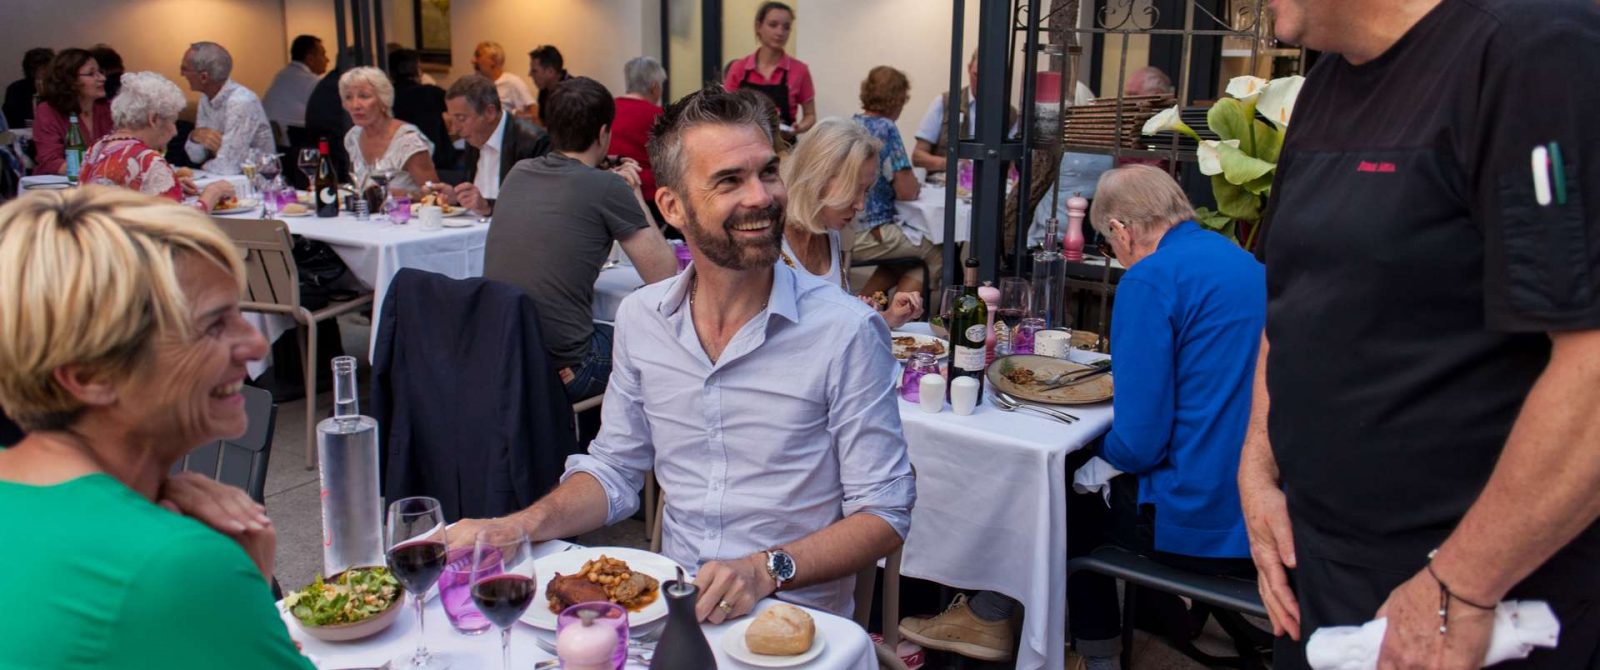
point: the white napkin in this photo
(1519, 626)
(1095, 477)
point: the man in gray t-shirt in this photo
(555, 221)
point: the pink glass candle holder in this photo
(580, 644)
(918, 365)
(455, 590)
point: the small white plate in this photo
(242, 207)
(733, 643)
(456, 222)
(295, 216)
(663, 569)
(922, 340)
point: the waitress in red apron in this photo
(775, 74)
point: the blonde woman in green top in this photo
(121, 348)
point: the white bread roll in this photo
(780, 630)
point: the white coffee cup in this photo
(1053, 343)
(431, 216)
(964, 395)
(930, 393)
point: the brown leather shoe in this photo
(959, 631)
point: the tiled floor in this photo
(292, 502)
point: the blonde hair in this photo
(88, 276)
(1142, 197)
(373, 77)
(496, 52)
(824, 170)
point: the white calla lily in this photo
(1277, 101)
(1168, 120)
(1210, 161)
(1246, 88)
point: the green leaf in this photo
(1234, 201)
(1241, 168)
(1230, 120)
(1212, 219)
(1261, 186)
(1269, 142)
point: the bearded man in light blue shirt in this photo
(762, 398)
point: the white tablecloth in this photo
(375, 250)
(611, 287)
(201, 178)
(991, 507)
(926, 215)
(848, 647)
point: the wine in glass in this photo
(415, 537)
(268, 166)
(502, 579)
(1016, 301)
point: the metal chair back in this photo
(240, 462)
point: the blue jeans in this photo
(590, 377)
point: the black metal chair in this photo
(241, 462)
(1224, 594)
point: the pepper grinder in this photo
(1072, 242)
(683, 645)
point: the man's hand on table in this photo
(208, 138)
(225, 509)
(1412, 639)
(740, 583)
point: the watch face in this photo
(782, 565)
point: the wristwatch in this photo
(780, 566)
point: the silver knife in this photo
(1078, 380)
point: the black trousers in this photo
(1332, 593)
(1093, 611)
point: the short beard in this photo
(721, 249)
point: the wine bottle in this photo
(75, 149)
(326, 185)
(969, 331)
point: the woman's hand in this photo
(225, 509)
(215, 192)
(906, 306)
(188, 186)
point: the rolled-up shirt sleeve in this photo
(623, 452)
(864, 420)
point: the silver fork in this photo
(1009, 404)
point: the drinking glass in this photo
(947, 305)
(268, 166)
(247, 167)
(308, 160)
(455, 591)
(1016, 301)
(502, 586)
(416, 551)
(918, 365)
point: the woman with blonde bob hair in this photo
(122, 347)
(827, 177)
(378, 142)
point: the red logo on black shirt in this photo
(1369, 166)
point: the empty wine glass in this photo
(415, 538)
(941, 318)
(502, 579)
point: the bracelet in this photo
(1446, 595)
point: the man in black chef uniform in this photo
(1432, 352)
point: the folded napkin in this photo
(1095, 477)
(1519, 626)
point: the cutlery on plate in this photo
(1085, 376)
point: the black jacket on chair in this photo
(469, 408)
(522, 140)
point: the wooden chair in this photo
(273, 287)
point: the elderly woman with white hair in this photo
(144, 117)
(378, 142)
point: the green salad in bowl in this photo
(366, 596)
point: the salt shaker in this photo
(964, 395)
(931, 393)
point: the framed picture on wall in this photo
(432, 21)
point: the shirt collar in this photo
(498, 138)
(1183, 229)
(783, 64)
(223, 93)
(784, 300)
(302, 66)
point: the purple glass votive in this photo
(400, 209)
(455, 589)
(1022, 338)
(918, 365)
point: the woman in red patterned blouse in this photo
(145, 113)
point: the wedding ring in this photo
(726, 607)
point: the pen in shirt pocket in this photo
(1558, 173)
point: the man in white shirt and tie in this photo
(286, 98)
(761, 397)
(496, 141)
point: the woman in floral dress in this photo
(145, 114)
